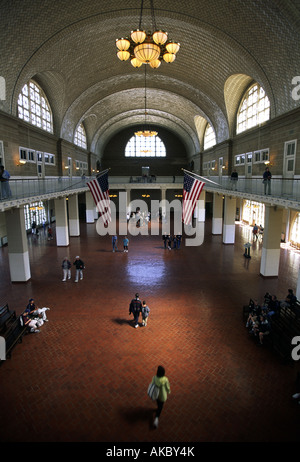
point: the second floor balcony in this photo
(285, 192)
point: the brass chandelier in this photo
(146, 132)
(147, 48)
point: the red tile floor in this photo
(84, 377)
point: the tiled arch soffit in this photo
(77, 82)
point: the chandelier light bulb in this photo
(138, 36)
(160, 37)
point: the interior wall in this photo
(114, 155)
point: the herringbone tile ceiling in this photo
(69, 48)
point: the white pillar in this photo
(298, 287)
(62, 231)
(270, 256)
(18, 256)
(217, 220)
(201, 207)
(229, 220)
(74, 229)
(90, 204)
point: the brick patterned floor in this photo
(84, 377)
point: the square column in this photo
(18, 256)
(201, 207)
(229, 220)
(217, 220)
(90, 206)
(270, 256)
(62, 231)
(74, 229)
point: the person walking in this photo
(135, 308)
(145, 313)
(114, 243)
(162, 382)
(79, 265)
(66, 267)
(125, 243)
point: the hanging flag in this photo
(100, 192)
(191, 191)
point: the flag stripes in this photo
(100, 192)
(191, 191)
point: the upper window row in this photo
(33, 107)
(254, 110)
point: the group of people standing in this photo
(266, 180)
(172, 241)
(66, 267)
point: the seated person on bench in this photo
(33, 324)
(290, 300)
(32, 311)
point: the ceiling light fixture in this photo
(147, 48)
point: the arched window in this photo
(254, 109)
(141, 146)
(209, 137)
(80, 137)
(33, 107)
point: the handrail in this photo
(27, 188)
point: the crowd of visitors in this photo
(259, 321)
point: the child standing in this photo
(125, 243)
(145, 313)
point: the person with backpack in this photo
(135, 308)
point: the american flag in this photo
(191, 191)
(100, 192)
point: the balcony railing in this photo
(26, 188)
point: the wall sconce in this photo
(21, 162)
(66, 167)
(223, 167)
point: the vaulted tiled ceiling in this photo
(68, 47)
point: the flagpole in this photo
(202, 177)
(102, 173)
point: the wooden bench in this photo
(6, 317)
(14, 335)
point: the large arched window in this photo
(80, 137)
(254, 109)
(209, 137)
(33, 107)
(141, 146)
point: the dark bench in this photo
(14, 334)
(6, 317)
